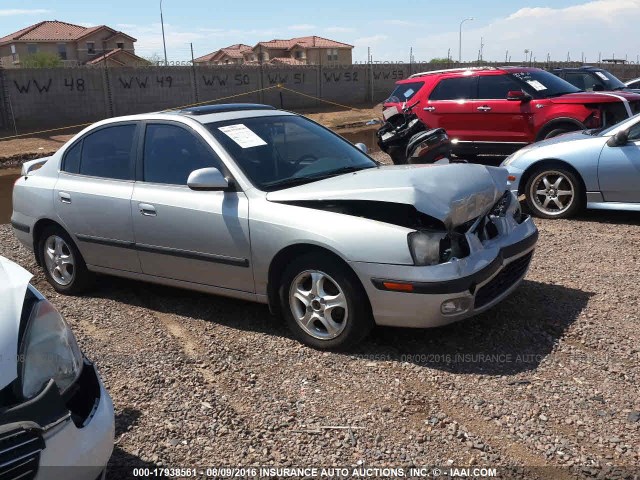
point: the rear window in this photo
(404, 92)
(459, 88)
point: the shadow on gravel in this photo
(122, 464)
(513, 337)
(609, 216)
(238, 314)
(125, 419)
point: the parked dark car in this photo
(593, 79)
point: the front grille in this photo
(20, 454)
(503, 281)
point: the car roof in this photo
(469, 71)
(588, 68)
(204, 114)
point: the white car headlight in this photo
(49, 351)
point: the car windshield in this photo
(280, 151)
(612, 82)
(404, 92)
(543, 84)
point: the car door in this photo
(494, 118)
(182, 234)
(92, 196)
(448, 106)
(619, 170)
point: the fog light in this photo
(455, 306)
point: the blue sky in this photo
(557, 27)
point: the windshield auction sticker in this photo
(242, 135)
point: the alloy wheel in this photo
(318, 304)
(552, 192)
(59, 260)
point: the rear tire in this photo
(554, 192)
(62, 262)
(323, 303)
(559, 131)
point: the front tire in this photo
(559, 131)
(323, 303)
(62, 262)
(554, 192)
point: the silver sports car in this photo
(594, 168)
(266, 205)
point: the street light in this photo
(164, 44)
(460, 41)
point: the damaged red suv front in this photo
(499, 110)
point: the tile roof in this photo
(312, 41)
(233, 51)
(52, 31)
(113, 53)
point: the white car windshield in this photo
(280, 151)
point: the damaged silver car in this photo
(260, 204)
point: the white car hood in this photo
(13, 286)
(453, 193)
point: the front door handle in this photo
(64, 197)
(484, 108)
(429, 109)
(147, 209)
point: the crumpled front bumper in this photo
(477, 282)
(69, 437)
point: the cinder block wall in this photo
(56, 97)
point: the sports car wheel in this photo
(324, 303)
(553, 193)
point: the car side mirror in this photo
(619, 139)
(361, 146)
(207, 179)
(517, 96)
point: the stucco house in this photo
(74, 44)
(311, 50)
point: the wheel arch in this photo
(38, 228)
(549, 163)
(282, 259)
(557, 123)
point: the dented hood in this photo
(13, 286)
(454, 193)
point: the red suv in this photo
(498, 110)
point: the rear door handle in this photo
(64, 197)
(484, 108)
(429, 109)
(147, 209)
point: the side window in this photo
(634, 132)
(171, 153)
(108, 153)
(584, 81)
(71, 162)
(454, 89)
(495, 87)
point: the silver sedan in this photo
(597, 169)
(268, 206)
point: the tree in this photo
(439, 60)
(154, 59)
(41, 60)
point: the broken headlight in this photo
(433, 248)
(49, 351)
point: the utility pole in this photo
(164, 43)
(481, 47)
(460, 39)
(506, 56)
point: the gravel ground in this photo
(545, 385)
